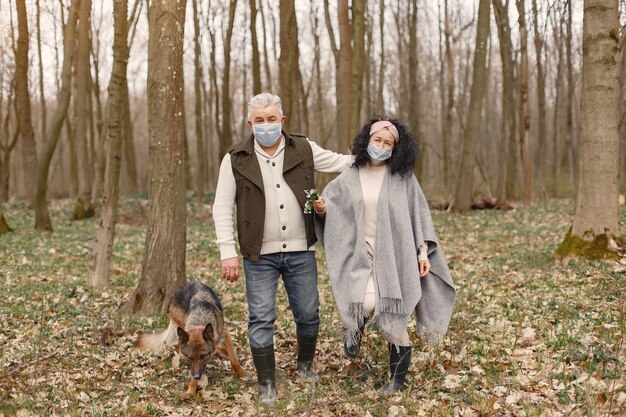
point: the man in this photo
(266, 176)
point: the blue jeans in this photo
(299, 272)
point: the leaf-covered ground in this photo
(530, 336)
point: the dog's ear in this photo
(183, 337)
(208, 332)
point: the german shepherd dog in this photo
(197, 324)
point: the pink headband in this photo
(385, 125)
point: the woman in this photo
(382, 253)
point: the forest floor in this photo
(530, 335)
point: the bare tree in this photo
(256, 59)
(201, 176)
(344, 76)
(29, 150)
(106, 230)
(465, 182)
(289, 67)
(42, 99)
(380, 99)
(83, 208)
(597, 207)
(358, 62)
(523, 87)
(163, 268)
(540, 154)
(507, 162)
(266, 61)
(42, 216)
(226, 133)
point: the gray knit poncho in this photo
(403, 223)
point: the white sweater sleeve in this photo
(329, 161)
(224, 209)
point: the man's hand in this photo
(424, 268)
(230, 269)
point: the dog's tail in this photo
(157, 342)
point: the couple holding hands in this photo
(383, 257)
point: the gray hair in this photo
(263, 100)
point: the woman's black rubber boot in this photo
(399, 361)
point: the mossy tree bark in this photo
(163, 269)
(4, 226)
(597, 206)
(106, 231)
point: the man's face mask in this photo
(267, 134)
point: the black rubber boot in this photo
(265, 365)
(306, 353)
(399, 361)
(353, 351)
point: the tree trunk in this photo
(344, 77)
(7, 148)
(42, 99)
(597, 207)
(29, 150)
(201, 175)
(83, 208)
(319, 95)
(570, 159)
(163, 269)
(464, 189)
(449, 113)
(256, 59)
(266, 61)
(380, 101)
(130, 160)
(507, 164)
(358, 62)
(106, 231)
(525, 117)
(226, 137)
(42, 216)
(289, 67)
(414, 101)
(540, 154)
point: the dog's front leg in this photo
(176, 360)
(191, 389)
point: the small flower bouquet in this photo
(311, 196)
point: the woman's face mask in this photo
(377, 154)
(267, 134)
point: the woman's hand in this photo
(320, 205)
(424, 268)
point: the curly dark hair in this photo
(404, 154)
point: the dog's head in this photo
(196, 347)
